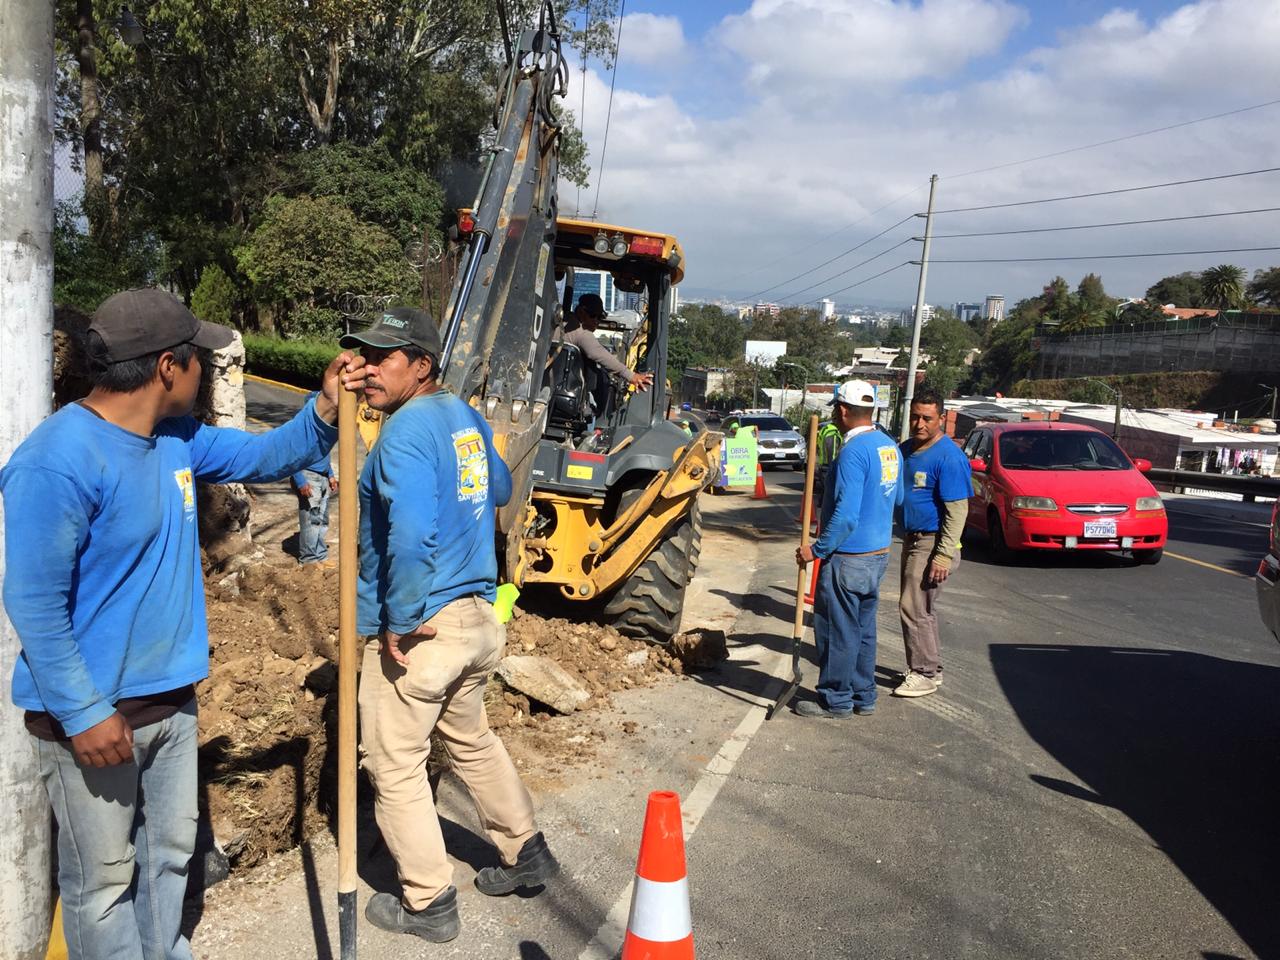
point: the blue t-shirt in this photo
(864, 486)
(936, 475)
(102, 575)
(322, 466)
(428, 493)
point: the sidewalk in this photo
(658, 737)
(1238, 510)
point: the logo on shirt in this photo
(187, 485)
(921, 479)
(473, 466)
(888, 466)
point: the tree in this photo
(947, 340)
(1265, 287)
(896, 336)
(1059, 305)
(1009, 354)
(703, 335)
(1180, 290)
(1223, 287)
(1093, 296)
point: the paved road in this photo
(1097, 778)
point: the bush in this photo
(214, 296)
(300, 362)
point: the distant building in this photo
(994, 309)
(908, 317)
(766, 310)
(828, 308)
(967, 312)
(599, 282)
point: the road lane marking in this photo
(1211, 566)
(274, 383)
(608, 939)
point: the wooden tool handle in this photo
(806, 517)
(348, 647)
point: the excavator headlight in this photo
(602, 242)
(619, 245)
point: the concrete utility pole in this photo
(914, 362)
(26, 345)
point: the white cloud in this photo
(750, 186)
(877, 41)
(649, 39)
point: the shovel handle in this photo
(347, 653)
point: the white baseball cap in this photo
(855, 393)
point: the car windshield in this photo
(766, 423)
(1060, 450)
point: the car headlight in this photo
(1148, 504)
(1043, 504)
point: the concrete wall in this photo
(1217, 348)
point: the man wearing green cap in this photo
(102, 582)
(428, 579)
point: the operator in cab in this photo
(579, 330)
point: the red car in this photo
(1061, 486)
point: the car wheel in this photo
(1000, 549)
(1148, 558)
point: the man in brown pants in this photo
(427, 584)
(937, 485)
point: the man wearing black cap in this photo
(103, 584)
(580, 331)
(428, 579)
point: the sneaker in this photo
(865, 711)
(937, 679)
(437, 921)
(916, 685)
(534, 864)
(808, 708)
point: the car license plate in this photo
(1100, 529)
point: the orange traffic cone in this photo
(761, 493)
(661, 927)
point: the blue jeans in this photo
(125, 837)
(844, 629)
(313, 520)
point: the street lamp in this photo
(805, 378)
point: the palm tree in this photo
(1223, 287)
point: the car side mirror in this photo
(978, 465)
(1144, 466)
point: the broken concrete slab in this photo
(544, 680)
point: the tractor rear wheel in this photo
(649, 605)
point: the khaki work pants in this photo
(917, 604)
(442, 689)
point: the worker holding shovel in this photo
(103, 584)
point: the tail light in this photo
(647, 246)
(466, 222)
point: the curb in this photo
(275, 383)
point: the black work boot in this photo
(534, 865)
(437, 921)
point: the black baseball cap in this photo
(134, 323)
(592, 303)
(399, 327)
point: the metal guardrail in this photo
(1248, 487)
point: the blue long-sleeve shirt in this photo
(428, 493)
(863, 488)
(102, 576)
(322, 466)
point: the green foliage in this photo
(1182, 390)
(1087, 391)
(300, 362)
(307, 253)
(947, 340)
(809, 338)
(1181, 290)
(897, 336)
(1265, 287)
(214, 296)
(1008, 355)
(945, 380)
(1223, 287)
(87, 270)
(704, 336)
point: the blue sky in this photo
(751, 129)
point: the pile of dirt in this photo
(266, 714)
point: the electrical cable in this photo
(1104, 143)
(1103, 256)
(838, 256)
(1095, 226)
(582, 111)
(904, 263)
(617, 46)
(848, 270)
(1109, 193)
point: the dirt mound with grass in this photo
(266, 714)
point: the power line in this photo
(582, 111)
(1104, 256)
(1095, 226)
(617, 46)
(833, 260)
(1104, 143)
(849, 270)
(904, 263)
(1109, 193)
